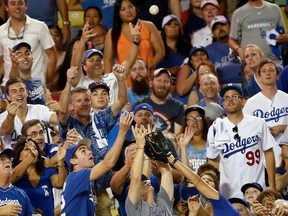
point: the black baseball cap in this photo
(8, 152)
(231, 86)
(95, 85)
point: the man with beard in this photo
(140, 81)
(168, 112)
(220, 54)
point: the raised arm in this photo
(184, 142)
(51, 75)
(134, 50)
(122, 90)
(77, 56)
(184, 81)
(113, 154)
(166, 178)
(74, 5)
(137, 166)
(58, 180)
(63, 10)
(108, 50)
(64, 113)
(201, 186)
(20, 170)
(7, 126)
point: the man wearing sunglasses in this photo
(238, 144)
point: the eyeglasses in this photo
(35, 134)
(232, 97)
(194, 118)
(235, 130)
(17, 37)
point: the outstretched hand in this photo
(126, 120)
(136, 31)
(139, 135)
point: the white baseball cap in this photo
(218, 19)
(213, 2)
(169, 17)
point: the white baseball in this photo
(154, 9)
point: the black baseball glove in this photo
(157, 147)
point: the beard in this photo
(160, 94)
(140, 87)
(223, 35)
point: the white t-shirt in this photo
(202, 37)
(35, 33)
(35, 111)
(109, 79)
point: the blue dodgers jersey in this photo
(223, 207)
(15, 195)
(43, 191)
(78, 196)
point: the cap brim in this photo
(198, 109)
(8, 152)
(227, 88)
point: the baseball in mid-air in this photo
(154, 9)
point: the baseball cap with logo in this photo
(197, 108)
(159, 71)
(72, 149)
(218, 19)
(213, 2)
(231, 86)
(8, 152)
(19, 45)
(95, 85)
(169, 17)
(90, 52)
(144, 106)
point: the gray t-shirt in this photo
(163, 206)
(249, 25)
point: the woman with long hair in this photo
(34, 178)
(193, 141)
(119, 39)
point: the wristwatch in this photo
(66, 23)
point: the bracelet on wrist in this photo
(140, 148)
(172, 164)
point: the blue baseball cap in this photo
(144, 106)
(8, 152)
(231, 86)
(19, 45)
(186, 192)
(90, 52)
(251, 184)
(239, 200)
(197, 48)
(72, 148)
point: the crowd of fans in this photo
(75, 110)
